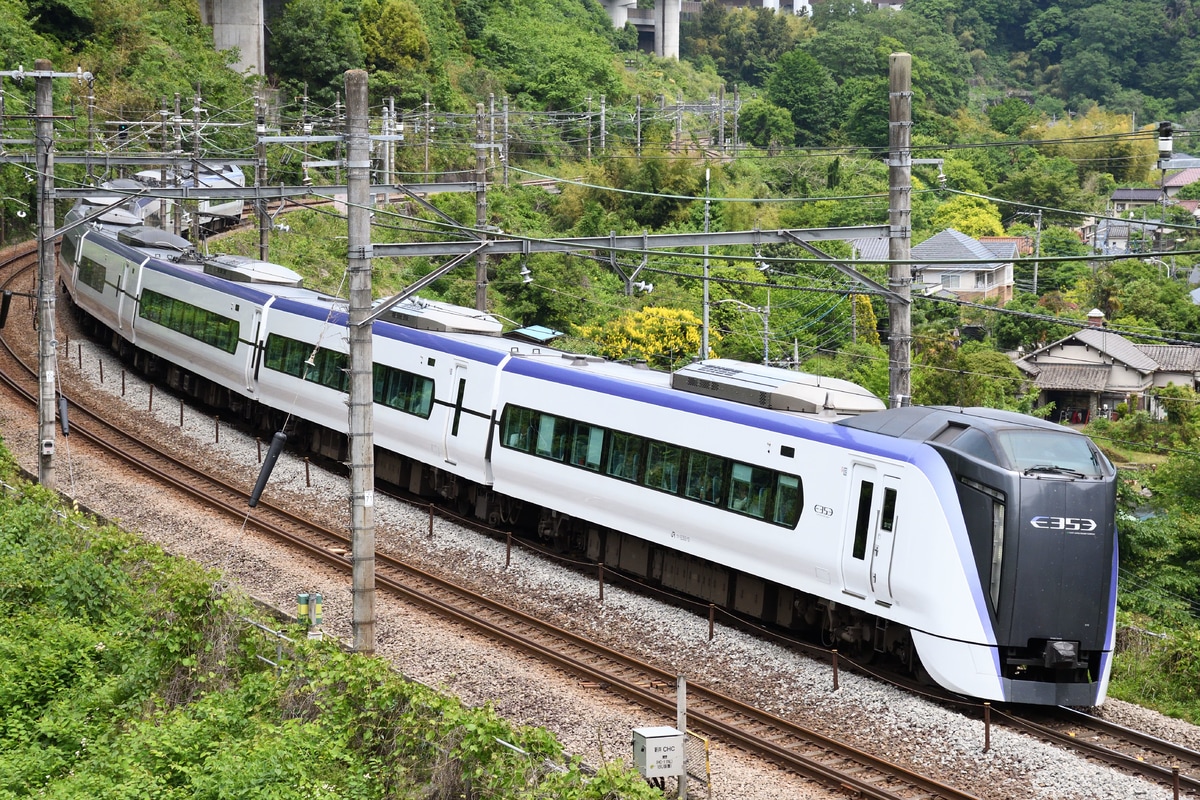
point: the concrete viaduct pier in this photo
(240, 24)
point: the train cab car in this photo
(1038, 501)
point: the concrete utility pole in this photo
(260, 178)
(44, 131)
(900, 233)
(481, 279)
(362, 359)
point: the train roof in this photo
(212, 174)
(434, 315)
(155, 241)
(926, 423)
(243, 269)
(775, 388)
(132, 211)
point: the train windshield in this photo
(1049, 453)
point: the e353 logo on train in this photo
(1067, 524)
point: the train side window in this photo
(552, 437)
(748, 490)
(273, 358)
(788, 500)
(862, 525)
(662, 467)
(422, 396)
(888, 519)
(174, 315)
(704, 478)
(192, 321)
(67, 249)
(625, 456)
(331, 370)
(587, 445)
(295, 356)
(150, 307)
(187, 319)
(384, 384)
(516, 429)
(92, 274)
(975, 443)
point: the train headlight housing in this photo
(1061, 654)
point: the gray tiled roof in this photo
(871, 249)
(1117, 346)
(1144, 195)
(953, 246)
(1110, 344)
(1072, 376)
(1173, 357)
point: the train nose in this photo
(1060, 654)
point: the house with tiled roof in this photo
(1116, 236)
(1093, 370)
(1177, 180)
(965, 267)
(1124, 199)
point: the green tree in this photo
(808, 92)
(743, 44)
(313, 43)
(973, 216)
(765, 125)
(393, 36)
(859, 362)
(1015, 329)
(866, 324)
(1012, 116)
(971, 375)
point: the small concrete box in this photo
(658, 752)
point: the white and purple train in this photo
(978, 547)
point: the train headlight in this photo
(1061, 654)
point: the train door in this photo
(862, 510)
(870, 535)
(122, 281)
(458, 388)
(252, 351)
(881, 553)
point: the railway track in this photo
(803, 751)
(1163, 761)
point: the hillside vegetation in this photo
(125, 672)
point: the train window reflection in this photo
(862, 524)
(625, 456)
(748, 489)
(704, 481)
(1050, 452)
(789, 497)
(587, 444)
(192, 321)
(662, 467)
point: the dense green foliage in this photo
(128, 673)
(1159, 635)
